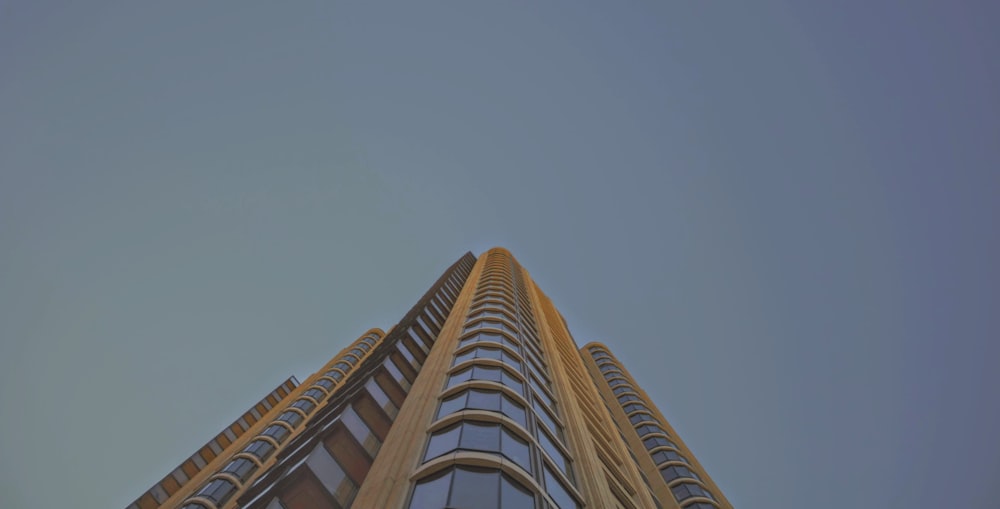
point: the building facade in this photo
(477, 399)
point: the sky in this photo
(781, 216)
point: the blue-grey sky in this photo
(782, 216)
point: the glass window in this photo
(260, 448)
(641, 417)
(343, 366)
(628, 398)
(654, 442)
(634, 407)
(560, 495)
(360, 430)
(648, 429)
(550, 448)
(304, 405)
(533, 380)
(432, 493)
(482, 352)
(687, 490)
(397, 375)
(484, 400)
(484, 437)
(673, 472)
(324, 383)
(489, 337)
(442, 442)
(382, 399)
(316, 394)
(547, 418)
(470, 488)
(336, 375)
(292, 418)
(276, 431)
(622, 390)
(665, 456)
(241, 468)
(218, 491)
(487, 373)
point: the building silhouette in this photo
(478, 398)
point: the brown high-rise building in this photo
(477, 399)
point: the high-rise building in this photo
(477, 399)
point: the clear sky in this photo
(782, 216)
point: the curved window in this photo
(336, 375)
(324, 383)
(634, 407)
(491, 324)
(487, 337)
(558, 492)
(292, 418)
(491, 314)
(260, 448)
(369, 340)
(477, 399)
(547, 417)
(482, 352)
(475, 436)
(241, 468)
(193, 505)
(492, 295)
(660, 457)
(628, 398)
(304, 405)
(622, 390)
(618, 382)
(364, 347)
(654, 442)
(470, 487)
(218, 491)
(555, 453)
(641, 417)
(357, 352)
(675, 471)
(343, 366)
(316, 394)
(276, 431)
(648, 429)
(687, 490)
(492, 306)
(700, 505)
(488, 373)
(541, 393)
